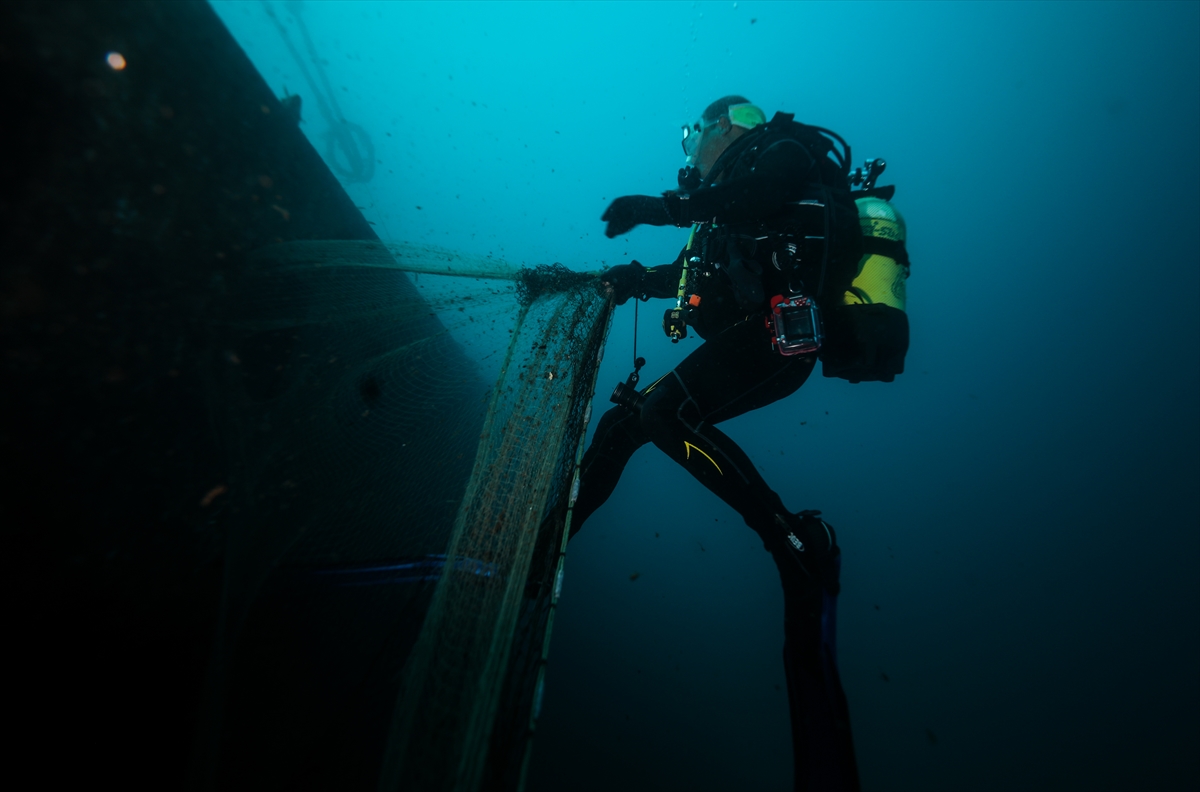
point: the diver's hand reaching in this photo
(630, 211)
(624, 280)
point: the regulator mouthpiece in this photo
(689, 177)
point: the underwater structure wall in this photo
(274, 527)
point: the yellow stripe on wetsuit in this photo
(687, 447)
(650, 387)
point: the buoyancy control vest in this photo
(839, 248)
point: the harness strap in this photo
(891, 248)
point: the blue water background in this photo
(1019, 511)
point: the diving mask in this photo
(692, 133)
(743, 115)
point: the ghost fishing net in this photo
(406, 425)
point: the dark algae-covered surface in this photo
(131, 199)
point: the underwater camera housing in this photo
(626, 393)
(795, 324)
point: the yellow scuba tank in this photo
(867, 335)
(881, 278)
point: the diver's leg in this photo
(822, 743)
(618, 434)
(726, 377)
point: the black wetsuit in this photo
(734, 371)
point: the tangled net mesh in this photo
(545, 279)
(406, 423)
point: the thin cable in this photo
(635, 322)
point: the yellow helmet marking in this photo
(688, 451)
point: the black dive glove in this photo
(629, 211)
(625, 280)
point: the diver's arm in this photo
(635, 280)
(663, 281)
(777, 176)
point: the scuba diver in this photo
(773, 254)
